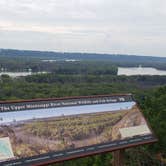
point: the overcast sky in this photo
(101, 26)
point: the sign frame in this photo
(87, 154)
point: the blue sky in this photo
(101, 26)
(55, 112)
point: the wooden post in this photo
(118, 158)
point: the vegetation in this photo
(121, 60)
(38, 136)
(52, 85)
(76, 79)
(75, 128)
(20, 64)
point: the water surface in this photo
(129, 71)
(19, 74)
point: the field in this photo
(38, 136)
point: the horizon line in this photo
(75, 52)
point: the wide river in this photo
(129, 71)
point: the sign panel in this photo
(44, 131)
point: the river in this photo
(19, 74)
(129, 71)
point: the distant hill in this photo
(122, 60)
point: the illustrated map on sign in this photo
(5, 149)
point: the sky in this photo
(63, 111)
(96, 26)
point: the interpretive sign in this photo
(38, 132)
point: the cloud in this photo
(121, 26)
